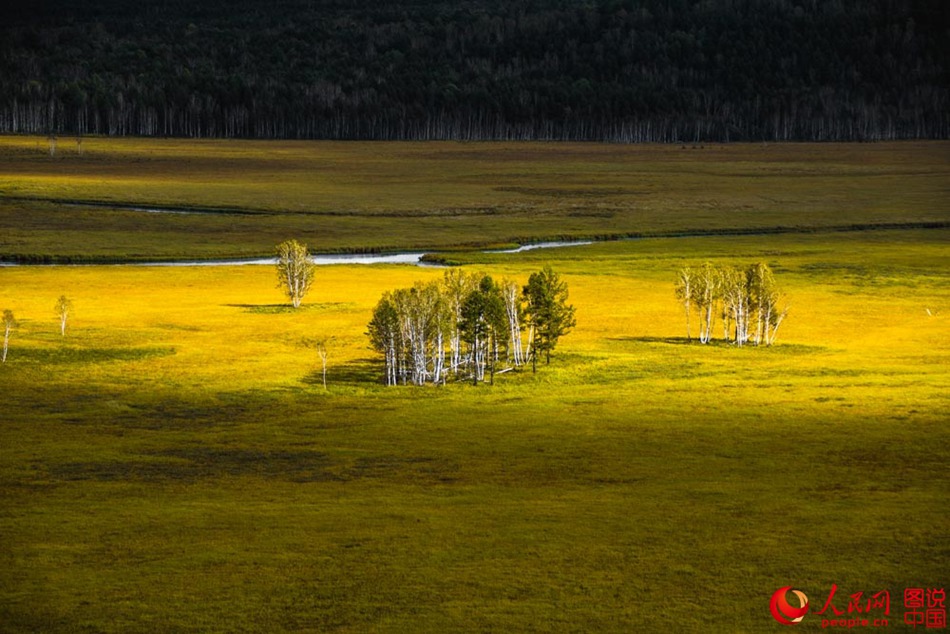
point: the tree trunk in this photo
(688, 336)
(491, 363)
(475, 361)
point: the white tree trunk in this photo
(778, 322)
(323, 359)
(438, 359)
(514, 327)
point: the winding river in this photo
(412, 258)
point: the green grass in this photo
(174, 464)
(366, 196)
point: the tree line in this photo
(604, 70)
(746, 300)
(468, 326)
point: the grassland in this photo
(174, 463)
(362, 196)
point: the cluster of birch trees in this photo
(468, 326)
(746, 300)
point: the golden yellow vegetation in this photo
(175, 460)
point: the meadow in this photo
(246, 196)
(175, 464)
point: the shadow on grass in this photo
(355, 373)
(675, 341)
(778, 348)
(189, 464)
(193, 463)
(279, 309)
(68, 355)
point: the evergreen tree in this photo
(547, 311)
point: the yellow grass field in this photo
(175, 462)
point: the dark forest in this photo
(609, 70)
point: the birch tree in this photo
(483, 320)
(402, 303)
(323, 353)
(706, 286)
(467, 325)
(384, 336)
(684, 293)
(776, 317)
(760, 286)
(736, 297)
(295, 270)
(511, 293)
(747, 300)
(409, 327)
(456, 287)
(9, 325)
(424, 318)
(547, 311)
(63, 308)
(766, 297)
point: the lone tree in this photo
(9, 325)
(323, 353)
(547, 311)
(295, 270)
(63, 308)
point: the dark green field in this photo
(362, 196)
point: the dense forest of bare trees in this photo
(618, 70)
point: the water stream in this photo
(413, 258)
